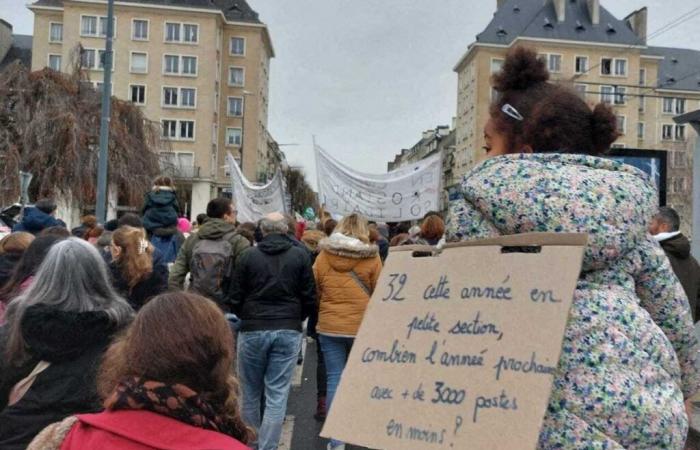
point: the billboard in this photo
(651, 162)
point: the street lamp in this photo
(245, 94)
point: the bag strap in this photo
(361, 283)
(23, 385)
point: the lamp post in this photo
(245, 94)
(693, 118)
(101, 202)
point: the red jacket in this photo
(142, 430)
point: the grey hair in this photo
(73, 277)
(670, 217)
(268, 226)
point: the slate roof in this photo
(21, 50)
(535, 19)
(234, 10)
(680, 68)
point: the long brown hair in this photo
(16, 243)
(179, 338)
(433, 227)
(136, 258)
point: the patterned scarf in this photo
(176, 401)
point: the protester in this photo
(12, 247)
(86, 223)
(375, 237)
(41, 215)
(346, 273)
(328, 226)
(399, 240)
(665, 227)
(184, 226)
(56, 334)
(618, 383)
(130, 219)
(272, 292)
(26, 268)
(431, 231)
(93, 234)
(166, 383)
(201, 218)
(57, 231)
(312, 239)
(247, 230)
(211, 254)
(132, 271)
(160, 209)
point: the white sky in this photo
(366, 77)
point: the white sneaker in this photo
(337, 447)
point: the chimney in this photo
(637, 21)
(560, 8)
(594, 11)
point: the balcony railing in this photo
(180, 171)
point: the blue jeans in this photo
(266, 361)
(335, 353)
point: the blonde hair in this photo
(355, 226)
(136, 257)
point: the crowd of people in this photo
(114, 333)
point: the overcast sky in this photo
(366, 77)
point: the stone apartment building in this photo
(199, 68)
(14, 47)
(607, 60)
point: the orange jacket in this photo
(342, 301)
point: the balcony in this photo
(179, 171)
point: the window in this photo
(620, 95)
(678, 185)
(607, 94)
(606, 66)
(139, 30)
(103, 26)
(56, 32)
(236, 76)
(668, 105)
(621, 67)
(172, 64)
(190, 33)
(581, 90)
(55, 62)
(169, 129)
(679, 159)
(101, 55)
(137, 94)
(188, 97)
(554, 64)
(172, 32)
(680, 132)
(680, 106)
(170, 96)
(667, 132)
(187, 129)
(496, 65)
(621, 124)
(235, 106)
(642, 77)
(189, 65)
(237, 46)
(581, 64)
(640, 130)
(233, 136)
(642, 103)
(139, 63)
(87, 58)
(88, 26)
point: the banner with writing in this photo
(404, 194)
(253, 202)
(459, 350)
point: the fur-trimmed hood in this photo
(345, 252)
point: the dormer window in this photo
(611, 29)
(579, 26)
(548, 24)
(501, 31)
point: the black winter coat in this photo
(160, 210)
(273, 286)
(686, 269)
(144, 290)
(73, 343)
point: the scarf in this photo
(176, 401)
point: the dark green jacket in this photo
(211, 229)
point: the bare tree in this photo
(302, 196)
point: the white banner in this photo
(404, 194)
(253, 202)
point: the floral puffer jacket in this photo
(628, 355)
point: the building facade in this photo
(200, 69)
(14, 47)
(604, 58)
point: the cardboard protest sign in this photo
(459, 350)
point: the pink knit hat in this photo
(184, 225)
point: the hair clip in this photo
(509, 111)
(143, 246)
